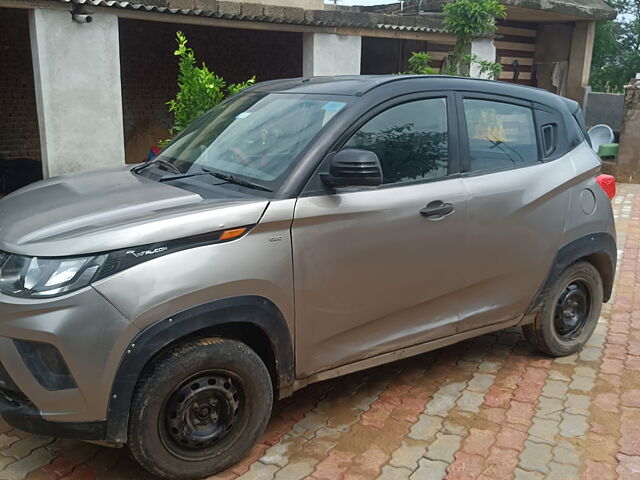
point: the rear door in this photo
(374, 272)
(517, 205)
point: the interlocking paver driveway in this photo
(488, 408)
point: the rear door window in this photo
(501, 135)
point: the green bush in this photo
(419, 64)
(199, 89)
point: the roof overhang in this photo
(558, 10)
(252, 16)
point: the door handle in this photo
(437, 210)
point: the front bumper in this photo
(27, 417)
(90, 336)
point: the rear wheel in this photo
(570, 314)
(200, 409)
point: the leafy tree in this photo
(468, 19)
(616, 51)
(199, 89)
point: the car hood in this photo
(112, 209)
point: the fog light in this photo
(46, 364)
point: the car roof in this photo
(362, 85)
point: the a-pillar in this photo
(78, 92)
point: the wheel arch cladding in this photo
(599, 249)
(252, 319)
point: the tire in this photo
(553, 331)
(199, 409)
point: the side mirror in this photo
(353, 167)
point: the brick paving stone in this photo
(628, 467)
(260, 471)
(24, 447)
(408, 455)
(566, 452)
(470, 401)
(33, 461)
(543, 431)
(443, 447)
(426, 427)
(525, 475)
(573, 425)
(598, 471)
(430, 470)
(296, 470)
(536, 457)
(562, 472)
(555, 389)
(578, 404)
(394, 473)
(584, 384)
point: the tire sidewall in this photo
(147, 414)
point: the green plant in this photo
(468, 19)
(419, 64)
(199, 89)
(616, 49)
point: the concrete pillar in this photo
(330, 54)
(580, 60)
(484, 49)
(78, 94)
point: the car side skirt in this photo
(397, 355)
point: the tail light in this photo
(608, 184)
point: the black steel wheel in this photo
(200, 413)
(199, 409)
(570, 313)
(573, 310)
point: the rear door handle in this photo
(437, 210)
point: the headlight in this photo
(46, 277)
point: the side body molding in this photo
(254, 311)
(598, 248)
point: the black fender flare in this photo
(602, 245)
(255, 310)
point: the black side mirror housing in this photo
(354, 168)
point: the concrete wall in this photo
(19, 135)
(329, 54)
(627, 167)
(607, 108)
(485, 50)
(77, 79)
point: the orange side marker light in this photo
(233, 233)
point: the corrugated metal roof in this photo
(279, 15)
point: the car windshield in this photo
(250, 139)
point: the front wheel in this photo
(570, 313)
(199, 409)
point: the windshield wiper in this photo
(158, 161)
(221, 176)
(237, 181)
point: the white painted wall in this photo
(78, 94)
(484, 49)
(330, 54)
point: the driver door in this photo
(373, 271)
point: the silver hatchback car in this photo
(302, 230)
